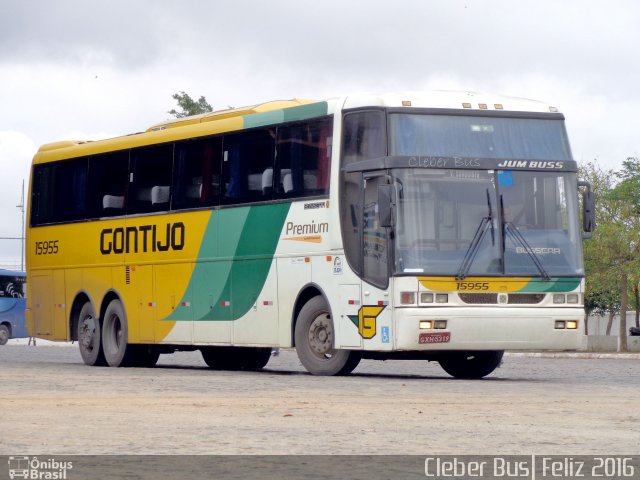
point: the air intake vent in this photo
(127, 275)
(492, 298)
(479, 297)
(530, 298)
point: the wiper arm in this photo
(474, 246)
(511, 228)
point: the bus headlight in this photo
(573, 298)
(426, 325)
(426, 297)
(442, 298)
(559, 298)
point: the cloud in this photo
(16, 151)
(74, 70)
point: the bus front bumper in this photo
(489, 328)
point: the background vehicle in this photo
(439, 226)
(12, 305)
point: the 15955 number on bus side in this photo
(48, 247)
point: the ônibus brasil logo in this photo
(33, 468)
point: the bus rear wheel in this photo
(314, 340)
(236, 358)
(90, 337)
(471, 365)
(115, 334)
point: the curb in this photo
(576, 355)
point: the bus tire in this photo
(5, 334)
(236, 358)
(314, 342)
(471, 365)
(115, 334)
(90, 337)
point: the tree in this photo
(189, 106)
(612, 257)
(602, 295)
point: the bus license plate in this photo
(443, 337)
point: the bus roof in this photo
(11, 273)
(442, 99)
(286, 110)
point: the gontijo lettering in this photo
(145, 238)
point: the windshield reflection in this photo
(481, 222)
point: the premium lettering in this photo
(142, 239)
(312, 228)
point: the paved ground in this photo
(54, 404)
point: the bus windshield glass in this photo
(478, 137)
(486, 222)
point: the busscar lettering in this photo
(145, 238)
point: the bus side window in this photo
(303, 159)
(150, 180)
(108, 176)
(247, 167)
(364, 136)
(60, 192)
(197, 174)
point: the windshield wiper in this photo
(510, 228)
(474, 246)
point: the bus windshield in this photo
(486, 222)
(478, 137)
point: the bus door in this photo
(373, 325)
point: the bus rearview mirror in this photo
(385, 205)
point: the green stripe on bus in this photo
(233, 263)
(538, 285)
(292, 114)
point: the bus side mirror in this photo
(588, 210)
(385, 205)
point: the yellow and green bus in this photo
(440, 226)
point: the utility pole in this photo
(21, 207)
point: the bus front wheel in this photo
(314, 340)
(90, 337)
(471, 365)
(5, 334)
(115, 334)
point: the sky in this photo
(84, 70)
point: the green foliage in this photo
(612, 256)
(189, 106)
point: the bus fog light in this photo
(407, 298)
(440, 324)
(425, 325)
(572, 324)
(503, 298)
(573, 298)
(558, 298)
(442, 298)
(560, 325)
(426, 298)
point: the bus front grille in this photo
(492, 298)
